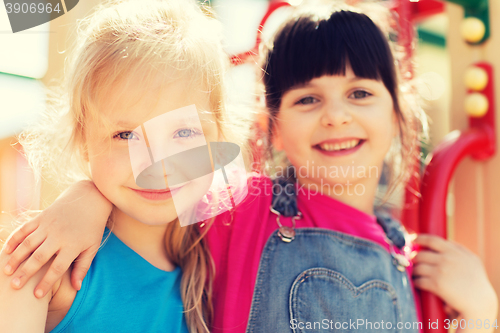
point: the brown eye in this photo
(307, 100)
(126, 136)
(359, 94)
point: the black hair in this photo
(310, 46)
(316, 43)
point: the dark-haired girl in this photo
(308, 252)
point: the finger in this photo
(56, 271)
(427, 257)
(32, 265)
(432, 242)
(462, 248)
(452, 313)
(425, 283)
(423, 270)
(81, 267)
(23, 251)
(19, 235)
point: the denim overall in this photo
(319, 280)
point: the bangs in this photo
(310, 47)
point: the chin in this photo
(335, 184)
(162, 218)
(153, 217)
(158, 221)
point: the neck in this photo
(359, 194)
(147, 240)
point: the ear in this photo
(277, 140)
(395, 125)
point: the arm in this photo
(20, 311)
(458, 277)
(70, 228)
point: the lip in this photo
(339, 140)
(340, 152)
(157, 194)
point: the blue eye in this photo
(186, 133)
(359, 94)
(307, 100)
(126, 136)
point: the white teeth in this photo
(339, 146)
(350, 144)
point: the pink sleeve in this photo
(236, 240)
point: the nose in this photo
(336, 113)
(152, 177)
(168, 166)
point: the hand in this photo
(68, 230)
(456, 275)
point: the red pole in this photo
(479, 142)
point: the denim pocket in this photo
(323, 300)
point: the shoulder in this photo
(393, 228)
(259, 191)
(63, 295)
(20, 310)
(257, 195)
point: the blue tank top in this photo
(123, 292)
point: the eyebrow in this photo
(175, 122)
(309, 84)
(125, 124)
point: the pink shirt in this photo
(237, 247)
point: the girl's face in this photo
(336, 131)
(127, 107)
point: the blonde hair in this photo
(147, 37)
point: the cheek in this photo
(383, 130)
(295, 130)
(109, 167)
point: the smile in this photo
(339, 147)
(157, 194)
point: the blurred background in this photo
(33, 59)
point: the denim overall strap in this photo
(285, 203)
(327, 281)
(285, 197)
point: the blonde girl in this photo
(133, 61)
